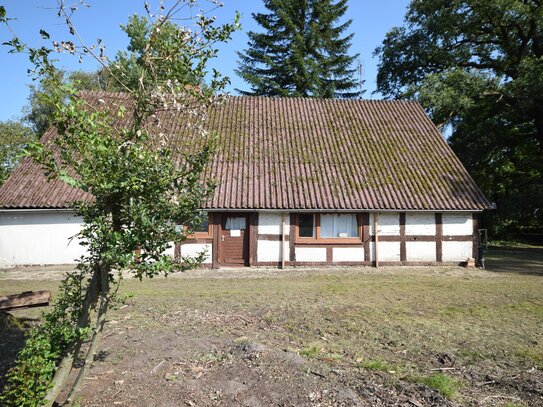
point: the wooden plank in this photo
(329, 254)
(475, 236)
(403, 245)
(216, 240)
(439, 237)
(292, 236)
(25, 300)
(283, 241)
(177, 251)
(366, 235)
(376, 234)
(253, 236)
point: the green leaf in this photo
(69, 180)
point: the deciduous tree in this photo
(14, 138)
(477, 66)
(144, 184)
(38, 113)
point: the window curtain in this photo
(336, 224)
(235, 223)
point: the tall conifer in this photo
(301, 51)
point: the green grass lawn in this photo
(470, 336)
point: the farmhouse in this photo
(300, 181)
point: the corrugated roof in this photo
(303, 154)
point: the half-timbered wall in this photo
(194, 249)
(403, 238)
(269, 237)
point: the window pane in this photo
(204, 227)
(339, 225)
(235, 223)
(306, 225)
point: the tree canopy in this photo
(174, 60)
(14, 137)
(302, 51)
(477, 66)
(38, 113)
(122, 73)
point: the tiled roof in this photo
(304, 154)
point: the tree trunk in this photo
(89, 358)
(538, 122)
(66, 364)
(100, 322)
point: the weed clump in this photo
(376, 365)
(445, 384)
(310, 352)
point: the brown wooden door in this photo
(234, 240)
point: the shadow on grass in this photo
(12, 340)
(527, 261)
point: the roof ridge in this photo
(106, 93)
(326, 100)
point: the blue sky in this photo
(371, 20)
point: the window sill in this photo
(353, 241)
(199, 239)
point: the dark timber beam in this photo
(25, 300)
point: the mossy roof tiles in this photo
(302, 154)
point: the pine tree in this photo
(301, 51)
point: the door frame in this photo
(250, 235)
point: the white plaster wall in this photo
(389, 251)
(457, 251)
(348, 254)
(310, 254)
(194, 249)
(170, 251)
(389, 224)
(270, 223)
(421, 251)
(457, 224)
(270, 250)
(420, 224)
(39, 238)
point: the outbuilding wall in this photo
(45, 237)
(34, 238)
